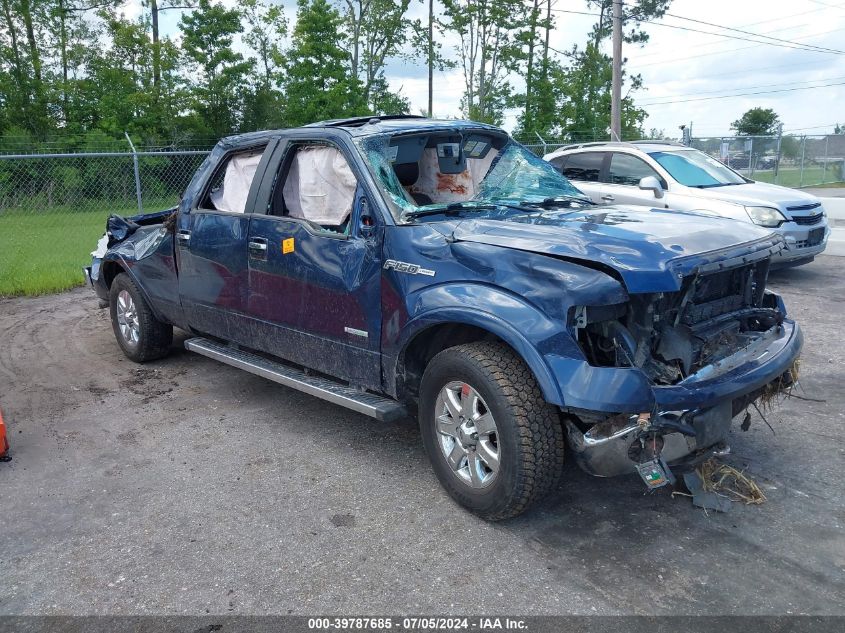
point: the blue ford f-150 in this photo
(402, 264)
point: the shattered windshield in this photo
(458, 170)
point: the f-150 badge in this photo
(405, 267)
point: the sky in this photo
(687, 76)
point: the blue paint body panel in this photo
(519, 277)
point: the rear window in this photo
(585, 166)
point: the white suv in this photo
(672, 176)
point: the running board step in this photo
(361, 401)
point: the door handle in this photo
(183, 236)
(257, 248)
(255, 245)
(608, 198)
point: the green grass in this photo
(43, 252)
(791, 176)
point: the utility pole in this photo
(616, 90)
(431, 58)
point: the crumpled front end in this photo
(667, 372)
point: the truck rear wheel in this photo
(140, 335)
(495, 444)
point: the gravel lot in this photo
(185, 486)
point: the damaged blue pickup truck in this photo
(400, 264)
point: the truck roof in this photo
(365, 126)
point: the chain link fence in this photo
(788, 160)
(53, 208)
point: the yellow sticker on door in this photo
(287, 245)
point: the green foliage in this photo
(218, 93)
(491, 36)
(757, 122)
(790, 147)
(318, 84)
(375, 31)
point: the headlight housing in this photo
(765, 216)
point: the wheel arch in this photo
(113, 266)
(428, 336)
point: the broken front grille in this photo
(672, 335)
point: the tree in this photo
(266, 27)
(218, 93)
(491, 34)
(377, 30)
(318, 84)
(757, 122)
(574, 98)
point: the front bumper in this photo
(801, 243)
(706, 401)
(94, 279)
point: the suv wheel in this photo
(495, 444)
(140, 335)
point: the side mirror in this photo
(650, 183)
(367, 223)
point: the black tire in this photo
(529, 437)
(153, 336)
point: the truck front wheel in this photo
(140, 335)
(495, 444)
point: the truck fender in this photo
(454, 304)
(113, 257)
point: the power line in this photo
(814, 127)
(746, 94)
(780, 83)
(825, 4)
(752, 69)
(725, 52)
(804, 47)
(779, 40)
(719, 42)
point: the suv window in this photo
(628, 170)
(583, 166)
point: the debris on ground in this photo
(714, 486)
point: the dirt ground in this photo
(185, 486)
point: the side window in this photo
(230, 184)
(317, 185)
(628, 170)
(559, 162)
(583, 166)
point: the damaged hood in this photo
(652, 250)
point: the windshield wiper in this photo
(453, 208)
(557, 202)
(717, 184)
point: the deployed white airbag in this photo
(236, 183)
(320, 186)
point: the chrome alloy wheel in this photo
(127, 318)
(467, 434)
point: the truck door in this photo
(211, 237)
(315, 265)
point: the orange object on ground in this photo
(4, 441)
